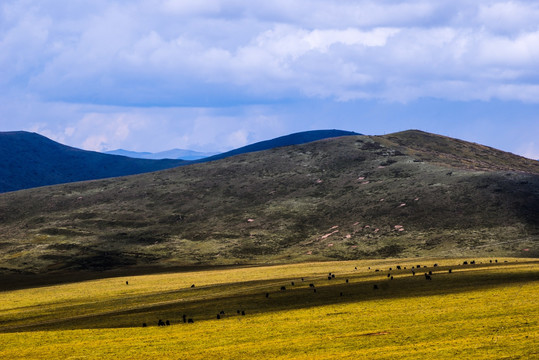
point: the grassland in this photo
(482, 311)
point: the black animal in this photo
(413, 272)
(341, 293)
(283, 288)
(160, 323)
(311, 285)
(242, 313)
(390, 269)
(388, 275)
(497, 260)
(450, 271)
(222, 312)
(418, 266)
(427, 277)
(190, 321)
(144, 325)
(398, 267)
(193, 285)
(314, 290)
(465, 263)
(302, 279)
(430, 272)
(127, 283)
(292, 283)
(329, 277)
(167, 323)
(435, 265)
(491, 261)
(376, 270)
(184, 318)
(238, 311)
(347, 281)
(267, 295)
(392, 278)
(472, 262)
(375, 287)
(218, 316)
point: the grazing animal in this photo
(167, 323)
(390, 269)
(418, 266)
(160, 323)
(430, 272)
(341, 293)
(314, 290)
(144, 325)
(311, 285)
(292, 283)
(222, 312)
(450, 271)
(427, 277)
(267, 295)
(465, 263)
(283, 288)
(491, 261)
(472, 262)
(190, 321)
(302, 279)
(347, 281)
(376, 270)
(238, 311)
(329, 277)
(398, 267)
(127, 283)
(388, 275)
(435, 265)
(333, 276)
(392, 278)
(375, 287)
(413, 272)
(218, 316)
(497, 260)
(184, 317)
(193, 285)
(242, 313)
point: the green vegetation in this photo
(482, 311)
(357, 197)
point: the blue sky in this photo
(211, 75)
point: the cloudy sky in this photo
(212, 75)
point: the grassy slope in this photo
(279, 206)
(481, 311)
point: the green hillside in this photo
(401, 195)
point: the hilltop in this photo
(401, 195)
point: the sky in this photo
(213, 75)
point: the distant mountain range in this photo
(178, 154)
(32, 160)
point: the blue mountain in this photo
(31, 160)
(287, 140)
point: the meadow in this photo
(484, 310)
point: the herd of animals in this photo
(331, 276)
